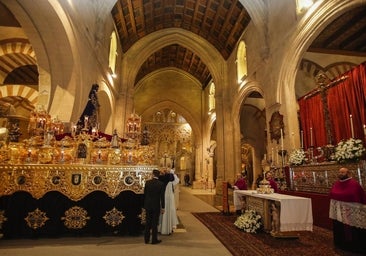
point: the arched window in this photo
(241, 62)
(113, 53)
(211, 97)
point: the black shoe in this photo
(147, 241)
(156, 242)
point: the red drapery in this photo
(344, 99)
(312, 121)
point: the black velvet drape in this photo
(54, 204)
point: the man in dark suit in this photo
(154, 204)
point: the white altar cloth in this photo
(296, 212)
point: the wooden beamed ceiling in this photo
(220, 22)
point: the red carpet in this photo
(316, 243)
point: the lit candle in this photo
(302, 138)
(281, 139)
(272, 155)
(350, 119)
(311, 136)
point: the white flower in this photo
(297, 157)
(351, 149)
(249, 222)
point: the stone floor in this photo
(191, 238)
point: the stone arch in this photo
(21, 91)
(250, 87)
(19, 47)
(178, 109)
(308, 70)
(307, 30)
(140, 51)
(332, 71)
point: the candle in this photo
(277, 156)
(281, 139)
(350, 119)
(364, 129)
(302, 138)
(311, 136)
(272, 156)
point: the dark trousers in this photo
(152, 221)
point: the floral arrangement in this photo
(349, 150)
(297, 157)
(249, 221)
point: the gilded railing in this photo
(74, 181)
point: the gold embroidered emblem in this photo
(75, 218)
(2, 218)
(113, 217)
(143, 216)
(36, 219)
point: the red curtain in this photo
(344, 99)
(312, 121)
(349, 98)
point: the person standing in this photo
(347, 208)
(154, 204)
(271, 181)
(239, 184)
(169, 220)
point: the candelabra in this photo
(283, 153)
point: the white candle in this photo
(350, 119)
(277, 156)
(272, 156)
(281, 139)
(302, 138)
(311, 136)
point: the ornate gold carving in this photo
(36, 219)
(113, 217)
(74, 181)
(2, 218)
(114, 156)
(75, 218)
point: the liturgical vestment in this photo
(348, 211)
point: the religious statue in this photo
(275, 219)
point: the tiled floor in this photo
(191, 239)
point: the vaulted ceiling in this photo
(220, 22)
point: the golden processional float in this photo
(80, 165)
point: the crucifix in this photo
(324, 84)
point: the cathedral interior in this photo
(215, 83)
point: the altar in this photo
(294, 213)
(39, 200)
